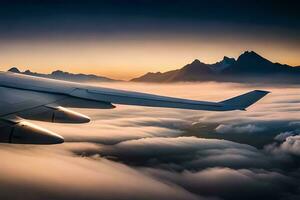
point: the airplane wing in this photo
(28, 97)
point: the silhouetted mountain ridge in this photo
(66, 76)
(249, 66)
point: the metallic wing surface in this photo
(28, 97)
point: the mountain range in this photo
(249, 67)
(66, 76)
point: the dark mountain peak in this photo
(58, 72)
(228, 60)
(252, 63)
(192, 71)
(223, 64)
(250, 53)
(251, 56)
(196, 62)
(14, 69)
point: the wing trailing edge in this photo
(141, 99)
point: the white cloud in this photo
(282, 136)
(249, 128)
(291, 145)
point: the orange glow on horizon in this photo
(128, 58)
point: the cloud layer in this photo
(150, 153)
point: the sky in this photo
(124, 39)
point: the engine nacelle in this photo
(56, 114)
(27, 133)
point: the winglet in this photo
(245, 100)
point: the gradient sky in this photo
(126, 38)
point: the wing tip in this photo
(262, 91)
(242, 102)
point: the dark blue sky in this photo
(45, 18)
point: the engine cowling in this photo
(24, 132)
(56, 114)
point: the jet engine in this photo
(56, 114)
(24, 132)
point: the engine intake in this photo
(27, 133)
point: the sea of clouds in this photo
(154, 153)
